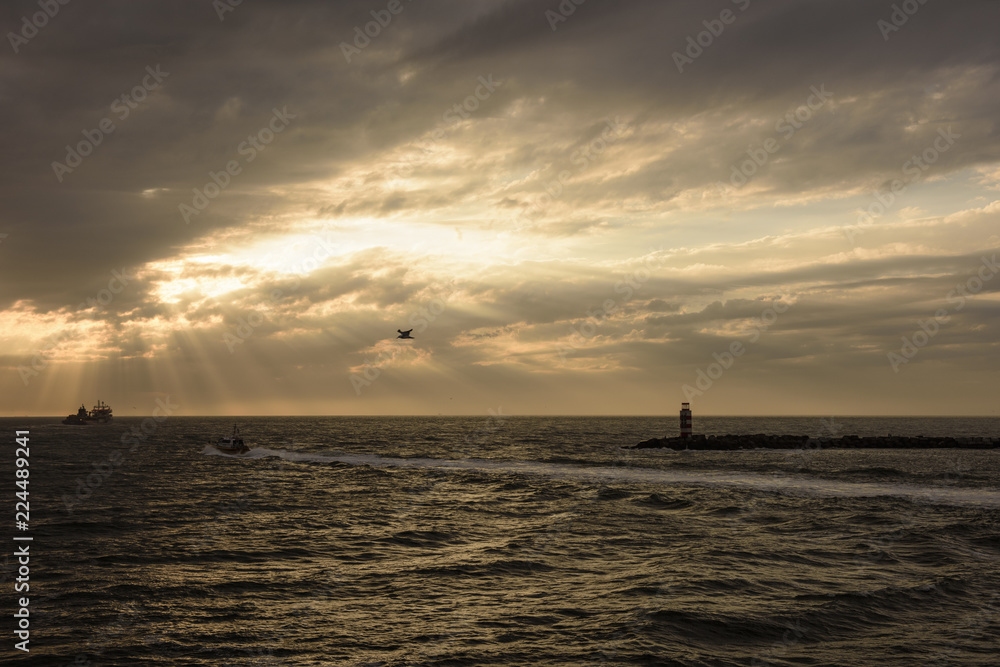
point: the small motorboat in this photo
(232, 444)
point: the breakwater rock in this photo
(764, 441)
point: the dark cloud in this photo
(510, 204)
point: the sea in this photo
(497, 540)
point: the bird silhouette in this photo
(405, 335)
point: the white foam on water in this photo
(300, 457)
(787, 484)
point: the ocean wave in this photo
(785, 484)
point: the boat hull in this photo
(240, 449)
(74, 420)
(101, 414)
(232, 444)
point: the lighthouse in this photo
(685, 420)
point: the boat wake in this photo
(784, 484)
(212, 450)
(266, 453)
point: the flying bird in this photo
(405, 335)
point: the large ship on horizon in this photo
(101, 414)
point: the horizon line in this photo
(506, 416)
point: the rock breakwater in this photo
(764, 441)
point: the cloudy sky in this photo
(760, 206)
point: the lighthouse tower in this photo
(685, 420)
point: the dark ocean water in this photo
(504, 541)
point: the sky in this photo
(762, 207)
